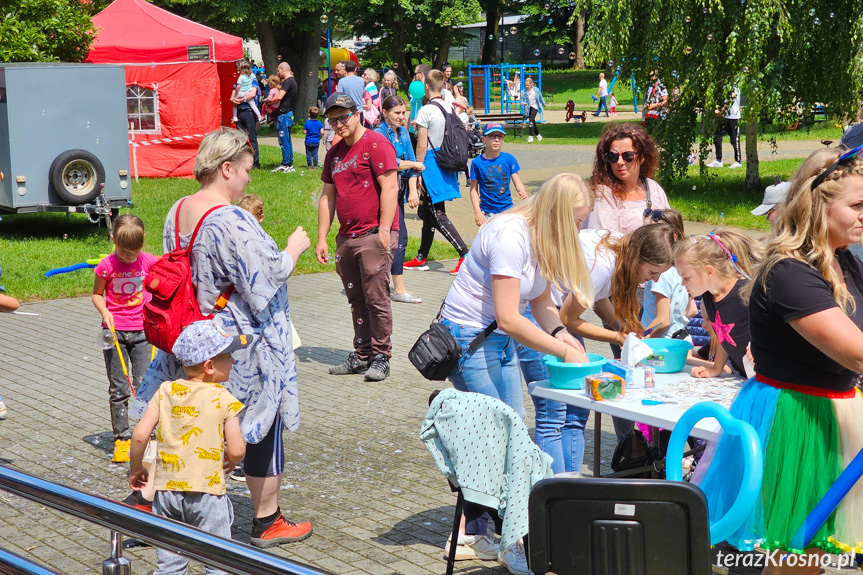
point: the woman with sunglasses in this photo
(806, 323)
(393, 127)
(626, 159)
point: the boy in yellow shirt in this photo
(198, 436)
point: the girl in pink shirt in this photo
(118, 294)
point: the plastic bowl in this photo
(669, 354)
(571, 375)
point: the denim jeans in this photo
(491, 370)
(312, 155)
(136, 354)
(602, 104)
(283, 129)
(559, 427)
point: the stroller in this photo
(474, 132)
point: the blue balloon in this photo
(417, 90)
(837, 492)
(753, 462)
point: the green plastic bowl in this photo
(669, 355)
(571, 375)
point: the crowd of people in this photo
(785, 311)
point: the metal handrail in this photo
(211, 550)
(13, 564)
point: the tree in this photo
(284, 27)
(408, 32)
(785, 56)
(45, 31)
(556, 23)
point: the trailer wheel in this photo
(77, 176)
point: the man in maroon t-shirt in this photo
(360, 179)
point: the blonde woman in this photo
(371, 99)
(231, 250)
(805, 320)
(514, 260)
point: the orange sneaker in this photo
(281, 531)
(136, 500)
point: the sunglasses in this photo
(655, 215)
(340, 120)
(612, 157)
(849, 155)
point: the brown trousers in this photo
(364, 266)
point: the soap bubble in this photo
(705, 10)
(338, 257)
(560, 51)
(106, 339)
(572, 55)
(366, 155)
(374, 144)
(536, 52)
(366, 184)
(513, 30)
(351, 286)
(710, 36)
(755, 27)
(419, 26)
(831, 14)
(395, 65)
(380, 165)
(547, 6)
(461, 74)
(816, 21)
(745, 68)
(385, 34)
(689, 49)
(693, 188)
(324, 18)
(500, 39)
(550, 20)
(812, 12)
(359, 321)
(491, 36)
(688, 18)
(611, 63)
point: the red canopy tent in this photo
(179, 77)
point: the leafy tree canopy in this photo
(45, 30)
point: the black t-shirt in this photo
(730, 321)
(287, 103)
(793, 290)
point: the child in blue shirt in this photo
(313, 130)
(490, 174)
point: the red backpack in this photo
(174, 304)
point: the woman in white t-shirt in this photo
(626, 159)
(514, 260)
(620, 264)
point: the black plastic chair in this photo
(618, 527)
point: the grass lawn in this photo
(720, 197)
(580, 86)
(588, 134)
(32, 244)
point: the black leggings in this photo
(534, 131)
(434, 217)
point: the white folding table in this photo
(665, 415)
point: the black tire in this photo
(77, 176)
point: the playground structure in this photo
(488, 86)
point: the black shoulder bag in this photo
(436, 353)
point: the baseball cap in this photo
(205, 340)
(773, 195)
(339, 100)
(493, 128)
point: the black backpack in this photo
(452, 156)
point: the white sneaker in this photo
(736, 165)
(289, 169)
(514, 559)
(3, 416)
(538, 138)
(279, 168)
(473, 547)
(715, 164)
(529, 139)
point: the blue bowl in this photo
(669, 354)
(571, 375)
